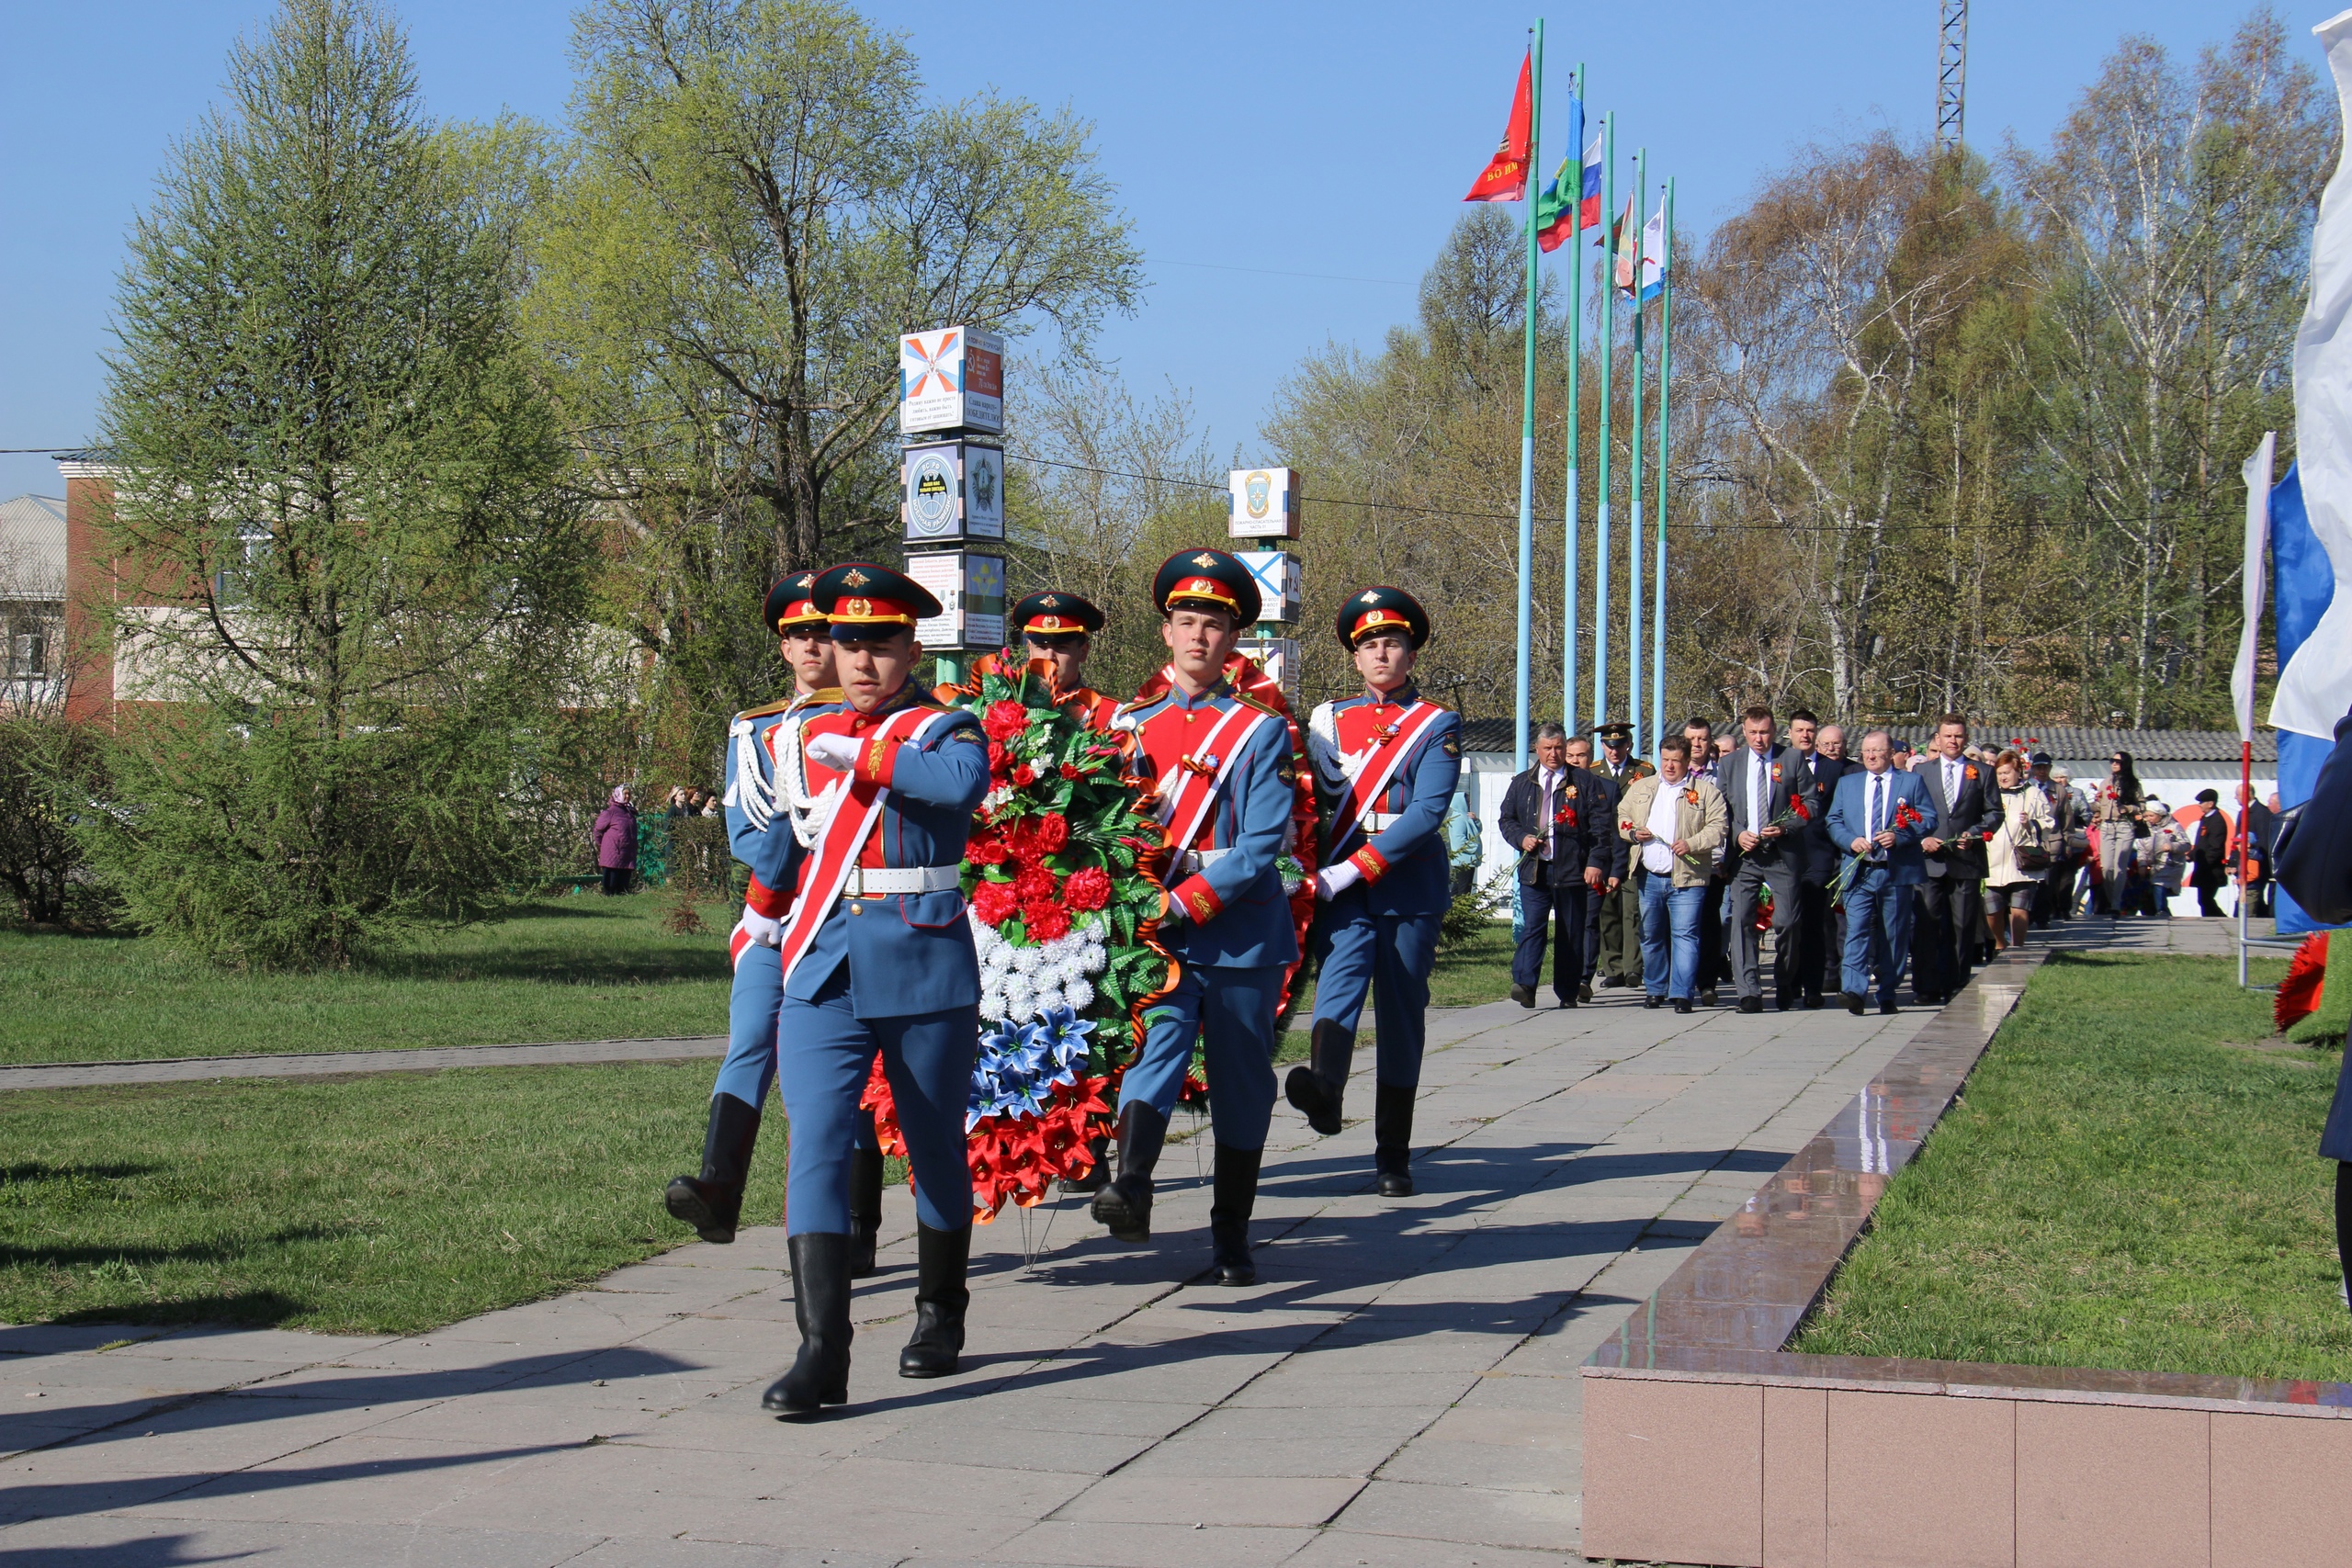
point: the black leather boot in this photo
(1098, 1174)
(940, 1300)
(819, 1374)
(1392, 1139)
(1124, 1205)
(713, 1201)
(1318, 1087)
(1236, 1196)
(864, 1209)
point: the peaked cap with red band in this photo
(1370, 610)
(1206, 576)
(788, 604)
(1051, 612)
(861, 599)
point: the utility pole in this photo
(1951, 76)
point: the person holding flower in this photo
(1386, 765)
(1221, 766)
(1057, 628)
(1878, 816)
(1676, 824)
(1766, 792)
(1951, 909)
(2029, 828)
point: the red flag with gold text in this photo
(1506, 175)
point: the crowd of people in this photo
(1666, 876)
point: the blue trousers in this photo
(1878, 932)
(1389, 957)
(752, 1010)
(1232, 1013)
(1671, 937)
(826, 1054)
(1569, 907)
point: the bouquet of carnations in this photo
(1906, 816)
(1063, 873)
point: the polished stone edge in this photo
(1725, 1315)
(391, 1059)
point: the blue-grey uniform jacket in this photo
(1409, 869)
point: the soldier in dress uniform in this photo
(1621, 911)
(875, 955)
(1221, 761)
(1058, 626)
(1386, 767)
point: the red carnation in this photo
(1005, 719)
(1086, 889)
(1046, 921)
(1034, 884)
(1050, 832)
(994, 902)
(986, 850)
(1025, 775)
(999, 758)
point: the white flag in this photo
(1653, 255)
(2316, 689)
(2257, 540)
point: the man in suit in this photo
(1882, 813)
(1605, 794)
(1967, 811)
(1758, 787)
(1560, 823)
(2210, 853)
(1620, 910)
(1801, 959)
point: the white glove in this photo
(763, 928)
(835, 751)
(1334, 880)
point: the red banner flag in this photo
(1506, 175)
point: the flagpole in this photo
(1608, 354)
(1634, 473)
(1576, 353)
(1527, 402)
(1665, 377)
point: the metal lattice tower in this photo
(1951, 76)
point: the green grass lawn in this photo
(375, 1204)
(2121, 1187)
(578, 968)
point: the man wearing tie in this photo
(1758, 787)
(1967, 812)
(1604, 792)
(1817, 773)
(1868, 818)
(1558, 817)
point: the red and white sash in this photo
(1374, 782)
(847, 812)
(1185, 802)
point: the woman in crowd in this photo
(2028, 825)
(616, 838)
(2116, 811)
(2164, 855)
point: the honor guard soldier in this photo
(1619, 916)
(875, 954)
(1222, 765)
(1059, 628)
(1386, 767)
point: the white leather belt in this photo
(1192, 862)
(871, 883)
(1379, 821)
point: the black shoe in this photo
(1786, 1004)
(1096, 1174)
(1613, 981)
(713, 1201)
(1124, 1205)
(1523, 995)
(1584, 992)
(1567, 999)
(1707, 995)
(940, 1300)
(1888, 1010)
(864, 1210)
(1392, 1139)
(1653, 1002)
(1682, 1004)
(1751, 1004)
(1235, 1183)
(1811, 1001)
(819, 1374)
(1853, 1002)
(1318, 1087)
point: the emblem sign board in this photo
(951, 491)
(1278, 656)
(970, 590)
(1265, 504)
(1276, 573)
(951, 379)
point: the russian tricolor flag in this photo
(1553, 216)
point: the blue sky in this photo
(1291, 168)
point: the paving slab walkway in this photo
(1400, 1388)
